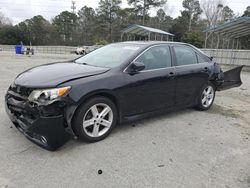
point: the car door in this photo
(152, 88)
(192, 72)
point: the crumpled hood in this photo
(51, 75)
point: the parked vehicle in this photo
(81, 51)
(117, 83)
(86, 49)
(28, 50)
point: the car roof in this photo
(147, 44)
(150, 43)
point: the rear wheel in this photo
(95, 119)
(206, 97)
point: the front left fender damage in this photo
(42, 123)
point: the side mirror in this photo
(136, 67)
(211, 58)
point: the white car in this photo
(81, 51)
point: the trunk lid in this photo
(231, 79)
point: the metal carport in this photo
(140, 32)
(225, 40)
(232, 30)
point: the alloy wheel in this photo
(207, 96)
(97, 120)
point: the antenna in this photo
(73, 7)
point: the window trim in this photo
(141, 53)
(201, 57)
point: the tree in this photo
(212, 10)
(161, 16)
(180, 26)
(86, 25)
(36, 30)
(107, 13)
(192, 7)
(126, 17)
(4, 20)
(227, 14)
(65, 25)
(9, 35)
(247, 11)
(144, 5)
(193, 38)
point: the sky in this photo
(19, 10)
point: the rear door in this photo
(192, 72)
(231, 78)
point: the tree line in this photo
(103, 25)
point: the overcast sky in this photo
(19, 10)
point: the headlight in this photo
(47, 94)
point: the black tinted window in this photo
(156, 57)
(185, 55)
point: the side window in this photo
(156, 57)
(185, 55)
(200, 59)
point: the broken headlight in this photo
(48, 94)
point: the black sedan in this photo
(117, 83)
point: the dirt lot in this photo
(187, 148)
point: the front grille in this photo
(22, 91)
(17, 99)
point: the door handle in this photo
(205, 69)
(171, 73)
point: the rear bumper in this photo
(48, 132)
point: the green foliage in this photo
(247, 11)
(65, 25)
(227, 14)
(86, 26)
(192, 11)
(141, 4)
(36, 30)
(192, 7)
(180, 26)
(9, 35)
(107, 14)
(141, 7)
(193, 38)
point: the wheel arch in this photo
(103, 93)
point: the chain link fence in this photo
(44, 49)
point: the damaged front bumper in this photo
(43, 125)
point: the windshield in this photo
(110, 56)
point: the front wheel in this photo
(206, 97)
(95, 119)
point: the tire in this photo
(206, 97)
(95, 119)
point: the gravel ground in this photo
(187, 148)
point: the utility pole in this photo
(73, 7)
